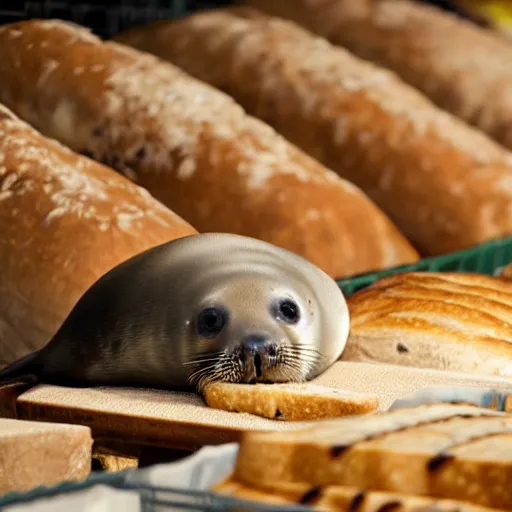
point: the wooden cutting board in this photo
(181, 420)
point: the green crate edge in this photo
(487, 258)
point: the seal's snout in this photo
(255, 352)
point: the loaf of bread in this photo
(34, 453)
(191, 146)
(446, 321)
(341, 499)
(443, 183)
(288, 402)
(443, 451)
(65, 220)
(462, 67)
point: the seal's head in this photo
(261, 314)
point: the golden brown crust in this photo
(463, 68)
(443, 183)
(191, 146)
(442, 451)
(65, 221)
(288, 402)
(446, 321)
(341, 499)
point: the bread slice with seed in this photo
(451, 321)
(341, 499)
(290, 402)
(444, 451)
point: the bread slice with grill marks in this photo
(342, 499)
(444, 451)
(452, 321)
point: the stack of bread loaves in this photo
(443, 183)
(433, 457)
(191, 146)
(65, 220)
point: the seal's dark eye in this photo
(288, 311)
(211, 321)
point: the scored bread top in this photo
(65, 220)
(445, 321)
(191, 146)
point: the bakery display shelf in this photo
(487, 258)
(152, 498)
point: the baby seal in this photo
(202, 308)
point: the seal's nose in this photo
(254, 342)
(255, 349)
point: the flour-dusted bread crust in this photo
(341, 499)
(191, 146)
(462, 67)
(443, 451)
(65, 220)
(288, 402)
(444, 184)
(446, 321)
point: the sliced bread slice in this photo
(342, 499)
(289, 402)
(444, 451)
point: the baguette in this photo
(444, 184)
(443, 451)
(288, 402)
(65, 221)
(191, 146)
(341, 499)
(445, 321)
(463, 68)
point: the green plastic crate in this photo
(487, 258)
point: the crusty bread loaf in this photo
(65, 220)
(446, 321)
(288, 402)
(463, 68)
(191, 146)
(443, 451)
(341, 499)
(445, 185)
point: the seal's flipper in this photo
(25, 370)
